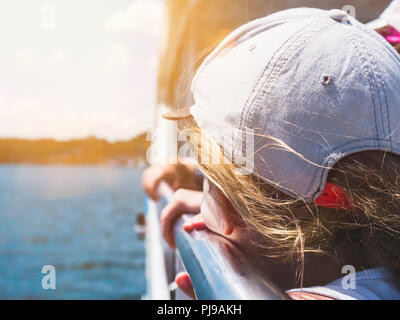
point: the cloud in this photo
(141, 15)
(119, 55)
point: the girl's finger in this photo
(184, 201)
(195, 223)
(169, 215)
(184, 283)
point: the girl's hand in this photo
(183, 201)
(175, 175)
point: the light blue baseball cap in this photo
(321, 83)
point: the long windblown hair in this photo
(293, 230)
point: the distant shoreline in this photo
(5, 164)
(83, 152)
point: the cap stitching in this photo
(366, 72)
(269, 20)
(239, 34)
(378, 141)
(375, 73)
(381, 81)
(306, 33)
(280, 63)
(323, 174)
(264, 78)
(387, 114)
(247, 115)
(285, 55)
(257, 85)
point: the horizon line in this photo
(94, 137)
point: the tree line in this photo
(86, 151)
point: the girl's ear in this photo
(230, 216)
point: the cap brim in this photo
(177, 114)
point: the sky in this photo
(78, 68)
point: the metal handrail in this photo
(218, 269)
(157, 280)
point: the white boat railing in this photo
(156, 250)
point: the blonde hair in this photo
(292, 229)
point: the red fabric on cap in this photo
(333, 197)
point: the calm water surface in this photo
(78, 219)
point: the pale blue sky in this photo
(74, 68)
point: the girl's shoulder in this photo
(372, 284)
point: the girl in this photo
(296, 126)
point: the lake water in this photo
(77, 219)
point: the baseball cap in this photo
(320, 82)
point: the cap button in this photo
(337, 15)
